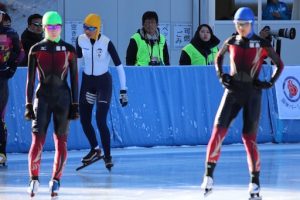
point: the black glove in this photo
(29, 113)
(227, 81)
(8, 72)
(123, 98)
(74, 111)
(262, 84)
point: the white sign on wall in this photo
(288, 93)
(165, 30)
(72, 30)
(182, 35)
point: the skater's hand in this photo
(123, 98)
(74, 111)
(227, 81)
(29, 113)
(262, 84)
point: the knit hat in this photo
(95, 21)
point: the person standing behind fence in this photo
(276, 10)
(203, 48)
(9, 52)
(94, 52)
(31, 35)
(243, 91)
(147, 46)
(54, 59)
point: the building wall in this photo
(121, 19)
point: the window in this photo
(225, 9)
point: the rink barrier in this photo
(167, 106)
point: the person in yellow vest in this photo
(202, 49)
(147, 46)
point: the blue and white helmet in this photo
(245, 15)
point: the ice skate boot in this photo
(93, 154)
(108, 162)
(54, 187)
(254, 190)
(207, 185)
(2, 159)
(33, 187)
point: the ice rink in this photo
(160, 173)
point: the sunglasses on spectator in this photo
(37, 24)
(53, 27)
(89, 28)
(1, 12)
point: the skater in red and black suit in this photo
(243, 91)
(9, 52)
(53, 59)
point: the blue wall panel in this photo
(167, 106)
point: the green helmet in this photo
(51, 18)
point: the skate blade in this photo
(109, 166)
(255, 198)
(91, 161)
(54, 195)
(32, 195)
(207, 192)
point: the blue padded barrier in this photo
(167, 106)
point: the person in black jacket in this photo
(9, 52)
(32, 35)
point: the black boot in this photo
(94, 153)
(108, 162)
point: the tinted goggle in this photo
(89, 28)
(242, 22)
(53, 27)
(37, 24)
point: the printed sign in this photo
(165, 30)
(288, 93)
(182, 35)
(72, 30)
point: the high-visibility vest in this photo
(144, 50)
(197, 58)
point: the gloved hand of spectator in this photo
(123, 98)
(29, 113)
(10, 72)
(227, 81)
(262, 84)
(74, 111)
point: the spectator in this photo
(7, 23)
(32, 35)
(276, 10)
(147, 46)
(9, 52)
(202, 49)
